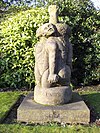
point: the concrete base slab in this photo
(74, 112)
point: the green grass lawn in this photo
(92, 99)
(16, 128)
(7, 99)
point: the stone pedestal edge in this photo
(74, 112)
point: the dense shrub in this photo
(83, 19)
(12, 10)
(17, 34)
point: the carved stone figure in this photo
(53, 56)
(53, 60)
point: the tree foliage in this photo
(17, 47)
(83, 19)
(17, 34)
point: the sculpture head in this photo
(53, 9)
(46, 30)
(63, 29)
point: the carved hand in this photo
(53, 78)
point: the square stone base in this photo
(74, 112)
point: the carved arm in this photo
(52, 51)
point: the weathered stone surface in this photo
(74, 112)
(53, 61)
(52, 96)
(53, 53)
(53, 56)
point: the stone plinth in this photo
(52, 96)
(74, 112)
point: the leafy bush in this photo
(17, 42)
(12, 10)
(83, 19)
(18, 38)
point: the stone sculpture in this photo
(53, 61)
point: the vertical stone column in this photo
(53, 12)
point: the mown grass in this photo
(92, 99)
(17, 128)
(7, 100)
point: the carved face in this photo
(63, 29)
(46, 30)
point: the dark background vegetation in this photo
(18, 23)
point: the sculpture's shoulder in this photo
(51, 43)
(51, 40)
(40, 43)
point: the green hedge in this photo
(17, 40)
(83, 18)
(17, 36)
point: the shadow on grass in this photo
(11, 117)
(93, 102)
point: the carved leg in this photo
(44, 80)
(65, 75)
(37, 76)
